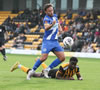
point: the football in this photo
(68, 42)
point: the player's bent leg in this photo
(55, 63)
(24, 69)
(43, 57)
(60, 55)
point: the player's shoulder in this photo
(64, 65)
(46, 18)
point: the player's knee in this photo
(43, 59)
(0, 48)
(62, 58)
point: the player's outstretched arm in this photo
(60, 76)
(79, 76)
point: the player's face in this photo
(72, 65)
(50, 11)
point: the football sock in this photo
(44, 65)
(55, 63)
(3, 52)
(23, 68)
(37, 64)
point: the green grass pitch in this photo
(89, 68)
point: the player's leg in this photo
(55, 63)
(43, 64)
(2, 50)
(60, 58)
(45, 50)
(59, 52)
(40, 60)
(4, 53)
(17, 65)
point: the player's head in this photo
(48, 8)
(73, 62)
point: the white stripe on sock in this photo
(19, 66)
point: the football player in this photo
(66, 71)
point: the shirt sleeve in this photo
(61, 69)
(46, 20)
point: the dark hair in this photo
(46, 6)
(73, 59)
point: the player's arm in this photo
(48, 26)
(78, 74)
(59, 75)
(60, 29)
(5, 33)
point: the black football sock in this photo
(3, 52)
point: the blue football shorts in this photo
(48, 46)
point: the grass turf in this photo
(89, 68)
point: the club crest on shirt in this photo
(44, 49)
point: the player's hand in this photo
(61, 32)
(53, 23)
(80, 78)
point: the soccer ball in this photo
(68, 42)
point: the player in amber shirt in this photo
(66, 71)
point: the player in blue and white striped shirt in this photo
(50, 42)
